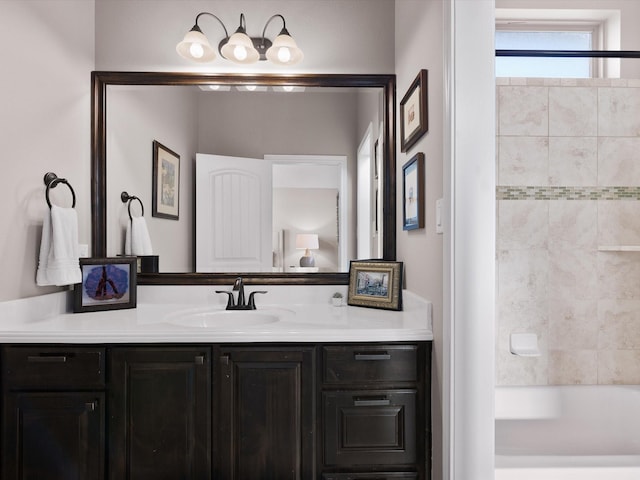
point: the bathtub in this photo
(568, 432)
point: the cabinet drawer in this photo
(372, 427)
(371, 476)
(41, 367)
(370, 364)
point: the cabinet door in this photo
(371, 427)
(160, 413)
(266, 413)
(57, 436)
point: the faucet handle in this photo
(230, 301)
(252, 302)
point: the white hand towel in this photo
(137, 239)
(58, 262)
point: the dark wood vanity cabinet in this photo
(260, 411)
(266, 416)
(160, 413)
(53, 413)
(375, 411)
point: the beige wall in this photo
(419, 44)
(47, 51)
(568, 191)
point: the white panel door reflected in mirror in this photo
(249, 212)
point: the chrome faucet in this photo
(238, 286)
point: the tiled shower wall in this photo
(568, 198)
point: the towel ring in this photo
(125, 197)
(51, 180)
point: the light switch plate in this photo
(439, 228)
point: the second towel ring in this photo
(51, 180)
(125, 197)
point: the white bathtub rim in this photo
(543, 462)
(546, 401)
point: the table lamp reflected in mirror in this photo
(308, 242)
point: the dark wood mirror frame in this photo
(101, 80)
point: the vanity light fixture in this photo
(239, 47)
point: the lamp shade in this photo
(239, 49)
(284, 50)
(196, 47)
(307, 241)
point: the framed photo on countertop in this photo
(107, 284)
(375, 284)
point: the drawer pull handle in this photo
(199, 359)
(90, 406)
(47, 358)
(371, 402)
(372, 356)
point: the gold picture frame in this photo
(375, 284)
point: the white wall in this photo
(419, 44)
(261, 123)
(47, 51)
(469, 274)
(136, 116)
(350, 36)
(293, 209)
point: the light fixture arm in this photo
(284, 26)
(226, 33)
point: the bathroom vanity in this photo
(322, 393)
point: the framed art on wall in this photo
(375, 284)
(414, 113)
(413, 193)
(166, 182)
(107, 284)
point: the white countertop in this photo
(286, 314)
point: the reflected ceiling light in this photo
(215, 87)
(251, 88)
(288, 88)
(239, 47)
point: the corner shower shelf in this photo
(619, 248)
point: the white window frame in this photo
(594, 28)
(604, 25)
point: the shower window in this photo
(537, 38)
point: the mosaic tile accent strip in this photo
(567, 193)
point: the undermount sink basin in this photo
(225, 319)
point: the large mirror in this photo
(304, 125)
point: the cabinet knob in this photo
(91, 406)
(199, 360)
(224, 359)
